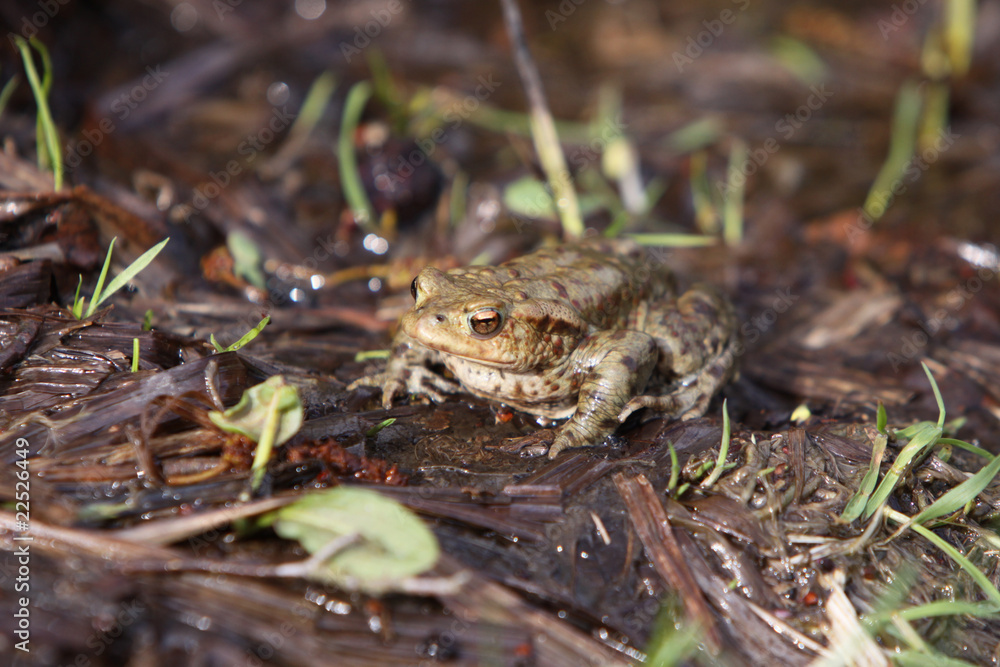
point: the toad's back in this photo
(604, 280)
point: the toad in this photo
(591, 331)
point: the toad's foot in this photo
(529, 446)
(413, 380)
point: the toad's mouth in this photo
(502, 364)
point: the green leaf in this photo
(48, 143)
(529, 197)
(247, 258)
(977, 575)
(923, 440)
(394, 544)
(78, 302)
(723, 450)
(961, 495)
(244, 339)
(857, 504)
(8, 90)
(101, 278)
(248, 417)
(674, 240)
(350, 179)
(269, 414)
(881, 418)
(123, 278)
(381, 425)
(937, 395)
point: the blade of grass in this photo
(732, 205)
(674, 240)
(245, 338)
(123, 278)
(938, 608)
(960, 27)
(919, 444)
(675, 468)
(881, 418)
(77, 308)
(135, 355)
(48, 142)
(937, 395)
(100, 280)
(901, 147)
(977, 575)
(457, 201)
(543, 128)
(720, 461)
(961, 495)
(350, 179)
(918, 659)
(8, 90)
(961, 444)
(857, 504)
(706, 216)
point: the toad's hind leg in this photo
(617, 365)
(697, 344)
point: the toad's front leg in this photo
(616, 366)
(407, 372)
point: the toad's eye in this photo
(485, 322)
(413, 289)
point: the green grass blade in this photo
(674, 240)
(858, 503)
(675, 468)
(977, 575)
(350, 179)
(961, 444)
(49, 141)
(732, 206)
(920, 659)
(78, 303)
(938, 608)
(245, 338)
(96, 298)
(901, 146)
(937, 395)
(8, 90)
(920, 443)
(961, 495)
(135, 355)
(128, 274)
(720, 461)
(881, 418)
(960, 27)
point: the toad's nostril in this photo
(440, 317)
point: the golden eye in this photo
(485, 322)
(413, 289)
